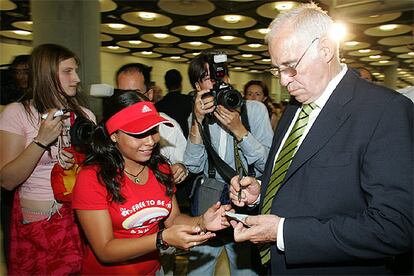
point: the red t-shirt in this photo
(145, 205)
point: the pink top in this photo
(14, 119)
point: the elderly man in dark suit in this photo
(336, 196)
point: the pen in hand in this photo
(239, 194)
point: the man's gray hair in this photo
(308, 21)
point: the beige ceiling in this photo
(380, 32)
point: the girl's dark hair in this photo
(44, 84)
(109, 159)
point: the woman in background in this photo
(125, 193)
(258, 91)
(44, 237)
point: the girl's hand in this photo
(185, 236)
(50, 128)
(66, 159)
(214, 218)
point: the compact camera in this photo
(224, 94)
(58, 113)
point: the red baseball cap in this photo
(136, 119)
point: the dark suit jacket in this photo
(178, 107)
(348, 194)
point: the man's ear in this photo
(326, 49)
(150, 94)
(114, 137)
(197, 85)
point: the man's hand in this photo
(203, 105)
(230, 119)
(262, 229)
(250, 190)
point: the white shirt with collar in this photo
(320, 102)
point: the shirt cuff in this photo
(280, 241)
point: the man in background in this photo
(175, 104)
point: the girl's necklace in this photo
(136, 178)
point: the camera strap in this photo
(215, 161)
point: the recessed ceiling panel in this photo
(187, 7)
(160, 38)
(375, 19)
(354, 45)
(139, 44)
(17, 34)
(195, 45)
(24, 25)
(247, 57)
(397, 40)
(227, 40)
(146, 54)
(361, 53)
(192, 30)
(147, 19)
(375, 58)
(272, 9)
(258, 34)
(226, 21)
(119, 29)
(115, 49)
(175, 59)
(384, 63)
(169, 50)
(388, 30)
(253, 47)
(107, 5)
(105, 37)
(400, 49)
(7, 5)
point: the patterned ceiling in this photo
(380, 32)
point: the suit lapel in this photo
(332, 116)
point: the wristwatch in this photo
(160, 243)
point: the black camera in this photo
(224, 94)
(81, 133)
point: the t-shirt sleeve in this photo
(13, 119)
(88, 193)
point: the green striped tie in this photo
(281, 167)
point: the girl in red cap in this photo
(125, 193)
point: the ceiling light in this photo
(147, 16)
(247, 55)
(135, 42)
(364, 51)
(266, 59)
(254, 71)
(146, 52)
(238, 68)
(116, 26)
(338, 31)
(351, 43)
(175, 57)
(375, 57)
(192, 28)
(411, 53)
(227, 37)
(283, 6)
(254, 45)
(375, 74)
(374, 16)
(113, 47)
(383, 61)
(196, 54)
(196, 43)
(264, 31)
(21, 32)
(161, 36)
(232, 19)
(388, 27)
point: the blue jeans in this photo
(203, 258)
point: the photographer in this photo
(218, 112)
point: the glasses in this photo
(290, 71)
